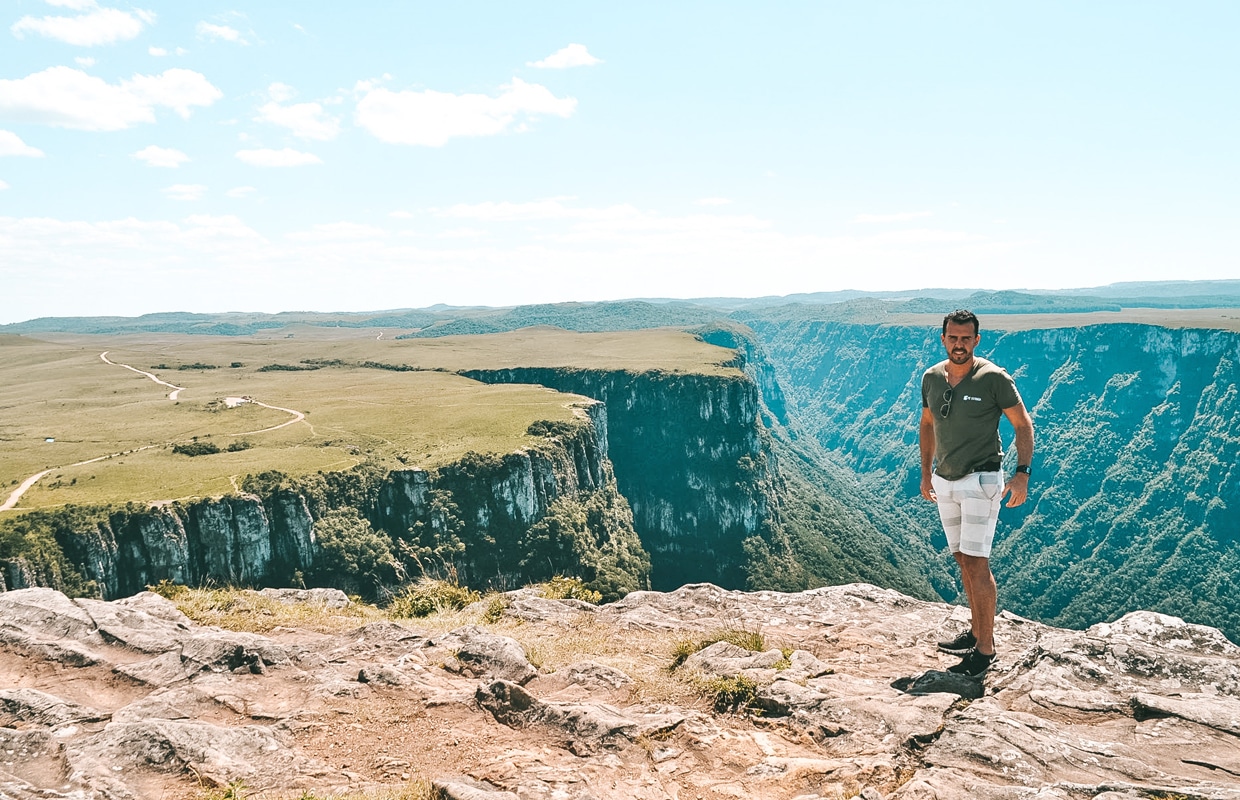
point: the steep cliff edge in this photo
(494, 519)
(1136, 485)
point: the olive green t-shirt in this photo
(967, 439)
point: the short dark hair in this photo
(962, 317)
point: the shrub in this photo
(196, 448)
(561, 588)
(550, 428)
(430, 596)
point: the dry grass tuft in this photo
(746, 640)
(416, 789)
(246, 610)
(641, 654)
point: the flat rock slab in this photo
(103, 701)
(584, 728)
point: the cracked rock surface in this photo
(130, 700)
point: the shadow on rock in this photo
(935, 681)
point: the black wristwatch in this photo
(1025, 469)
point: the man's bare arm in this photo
(927, 441)
(1018, 486)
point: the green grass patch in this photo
(729, 694)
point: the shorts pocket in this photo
(990, 484)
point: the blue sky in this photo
(282, 156)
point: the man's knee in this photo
(976, 565)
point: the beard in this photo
(960, 356)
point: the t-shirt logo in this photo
(971, 397)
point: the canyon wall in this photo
(689, 455)
(485, 516)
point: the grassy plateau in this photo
(298, 400)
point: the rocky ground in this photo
(560, 699)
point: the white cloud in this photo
(177, 89)
(185, 191)
(84, 61)
(901, 217)
(161, 156)
(305, 120)
(240, 191)
(462, 233)
(575, 55)
(550, 209)
(182, 51)
(338, 231)
(712, 201)
(3, 186)
(287, 157)
(431, 118)
(69, 98)
(158, 52)
(12, 145)
(224, 32)
(104, 26)
(281, 92)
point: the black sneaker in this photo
(963, 644)
(974, 665)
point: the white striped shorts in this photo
(969, 509)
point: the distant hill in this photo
(851, 305)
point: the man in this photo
(962, 399)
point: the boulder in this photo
(479, 654)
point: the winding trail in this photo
(298, 416)
(33, 479)
(176, 390)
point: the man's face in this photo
(960, 341)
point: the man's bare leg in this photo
(965, 578)
(980, 588)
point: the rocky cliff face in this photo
(221, 541)
(484, 506)
(689, 457)
(1136, 485)
(845, 697)
(515, 491)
